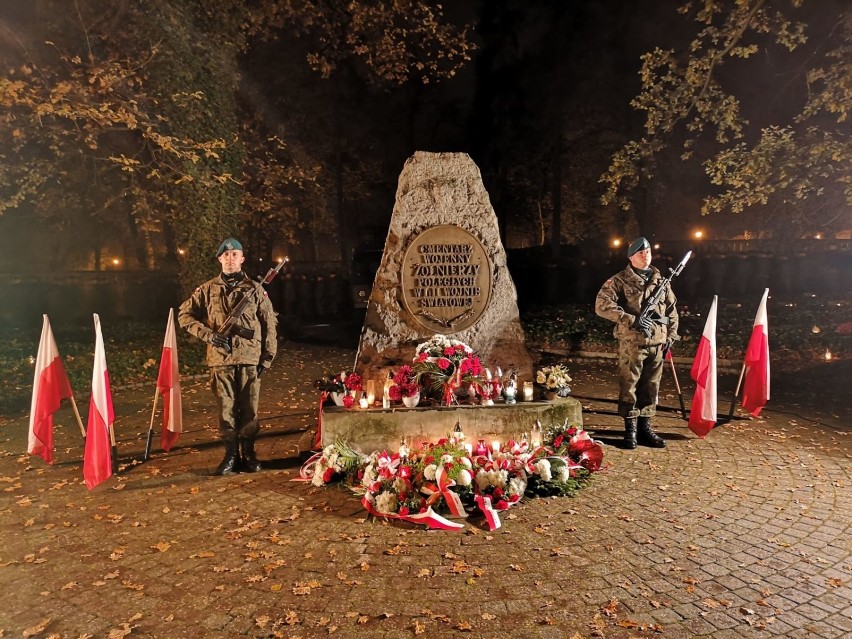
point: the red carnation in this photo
(422, 357)
(459, 348)
(404, 511)
(444, 363)
(557, 442)
(395, 393)
(501, 504)
(449, 351)
(348, 401)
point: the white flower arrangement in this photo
(553, 377)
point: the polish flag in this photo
(702, 416)
(50, 387)
(756, 385)
(97, 459)
(168, 383)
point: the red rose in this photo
(348, 401)
(443, 363)
(501, 504)
(498, 492)
(405, 472)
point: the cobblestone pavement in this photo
(743, 534)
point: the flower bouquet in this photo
(337, 462)
(554, 379)
(341, 387)
(443, 364)
(406, 386)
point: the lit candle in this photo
(371, 391)
(403, 448)
(363, 403)
(536, 434)
(469, 449)
(528, 391)
(495, 446)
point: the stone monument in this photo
(443, 271)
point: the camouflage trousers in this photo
(640, 369)
(237, 391)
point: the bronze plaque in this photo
(446, 279)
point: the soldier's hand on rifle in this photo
(659, 319)
(220, 341)
(643, 325)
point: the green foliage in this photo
(132, 349)
(684, 96)
(800, 330)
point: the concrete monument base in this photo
(370, 429)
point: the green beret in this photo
(639, 244)
(229, 245)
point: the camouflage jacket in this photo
(208, 307)
(621, 298)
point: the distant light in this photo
(181, 251)
(616, 242)
(656, 247)
(818, 236)
(816, 329)
(698, 235)
(827, 355)
(116, 261)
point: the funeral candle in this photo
(528, 391)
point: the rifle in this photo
(231, 325)
(650, 304)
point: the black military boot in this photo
(229, 463)
(250, 462)
(630, 433)
(648, 437)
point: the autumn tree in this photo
(123, 120)
(785, 157)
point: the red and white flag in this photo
(756, 385)
(50, 387)
(168, 383)
(702, 416)
(97, 459)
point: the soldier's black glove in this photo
(261, 369)
(643, 325)
(220, 341)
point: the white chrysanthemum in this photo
(399, 485)
(466, 462)
(316, 480)
(542, 469)
(517, 486)
(328, 450)
(429, 472)
(563, 474)
(446, 459)
(465, 478)
(386, 502)
(370, 476)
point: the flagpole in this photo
(736, 392)
(77, 415)
(151, 425)
(113, 449)
(677, 383)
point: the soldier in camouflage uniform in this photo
(642, 342)
(236, 361)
